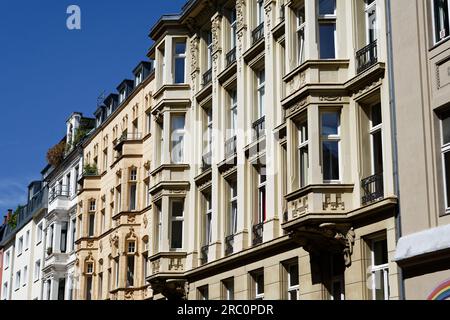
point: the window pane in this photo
(326, 35)
(177, 234)
(446, 130)
(379, 285)
(177, 209)
(330, 160)
(447, 175)
(327, 7)
(377, 153)
(441, 19)
(330, 123)
(304, 166)
(179, 70)
(380, 252)
(180, 47)
(293, 275)
(376, 115)
(260, 284)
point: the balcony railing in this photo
(231, 57)
(367, 57)
(259, 128)
(230, 147)
(258, 233)
(204, 254)
(229, 243)
(207, 77)
(60, 192)
(258, 33)
(372, 188)
(206, 161)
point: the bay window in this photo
(180, 61)
(176, 224)
(177, 138)
(301, 25)
(303, 152)
(327, 29)
(330, 136)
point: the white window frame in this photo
(177, 56)
(262, 195)
(5, 290)
(232, 223)
(18, 280)
(209, 49)
(180, 132)
(92, 205)
(373, 131)
(292, 288)
(27, 240)
(7, 258)
(208, 219)
(39, 233)
(384, 268)
(37, 270)
(138, 78)
(159, 221)
(209, 128)
(233, 112)
(259, 12)
(261, 92)
(445, 148)
(20, 246)
(228, 287)
(256, 288)
(301, 28)
(177, 219)
(334, 138)
(369, 10)
(433, 16)
(233, 27)
(328, 19)
(122, 95)
(25, 276)
(303, 144)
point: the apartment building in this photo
(2, 229)
(421, 52)
(22, 244)
(113, 209)
(58, 267)
(272, 166)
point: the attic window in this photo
(123, 95)
(138, 78)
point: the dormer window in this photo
(138, 78)
(122, 95)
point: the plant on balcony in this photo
(80, 133)
(55, 154)
(49, 250)
(90, 169)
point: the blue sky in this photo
(48, 71)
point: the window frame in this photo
(233, 112)
(233, 203)
(177, 219)
(262, 195)
(445, 148)
(373, 130)
(177, 56)
(303, 144)
(327, 19)
(434, 22)
(384, 268)
(179, 132)
(331, 138)
(261, 92)
(301, 32)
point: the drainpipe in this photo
(394, 141)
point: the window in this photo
(100, 286)
(25, 276)
(5, 290)
(228, 289)
(330, 131)
(103, 222)
(133, 196)
(50, 236)
(37, 270)
(207, 220)
(63, 244)
(180, 61)
(118, 204)
(145, 264)
(122, 95)
(158, 226)
(116, 268)
(92, 205)
(132, 247)
(77, 170)
(262, 195)
(148, 121)
(74, 233)
(18, 280)
(261, 93)
(130, 263)
(177, 212)
(161, 150)
(69, 184)
(379, 270)
(20, 246)
(260, 12)
(203, 293)
(88, 291)
(337, 277)
(89, 267)
(257, 278)
(39, 233)
(292, 281)
(301, 25)
(233, 26)
(376, 139)
(91, 224)
(232, 220)
(233, 112)
(303, 152)
(27, 239)
(441, 19)
(371, 21)
(7, 258)
(209, 129)
(209, 46)
(105, 159)
(445, 150)
(61, 288)
(327, 28)
(138, 77)
(177, 138)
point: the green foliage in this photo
(79, 135)
(90, 169)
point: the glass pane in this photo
(177, 209)
(379, 285)
(260, 284)
(327, 7)
(376, 115)
(180, 47)
(293, 275)
(337, 290)
(380, 252)
(377, 152)
(330, 160)
(446, 130)
(177, 234)
(304, 166)
(179, 70)
(303, 132)
(326, 34)
(447, 175)
(441, 19)
(330, 123)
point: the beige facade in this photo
(261, 153)
(421, 74)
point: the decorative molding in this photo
(299, 207)
(333, 202)
(240, 14)
(215, 31)
(299, 105)
(330, 98)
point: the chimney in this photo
(8, 216)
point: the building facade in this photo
(421, 58)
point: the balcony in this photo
(229, 243)
(258, 233)
(136, 136)
(204, 254)
(258, 33)
(259, 128)
(62, 192)
(207, 77)
(231, 57)
(366, 57)
(230, 147)
(206, 161)
(372, 188)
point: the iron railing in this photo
(258, 233)
(207, 77)
(231, 57)
(372, 188)
(366, 57)
(259, 128)
(204, 254)
(258, 33)
(229, 243)
(230, 147)
(60, 191)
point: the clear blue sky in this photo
(48, 71)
